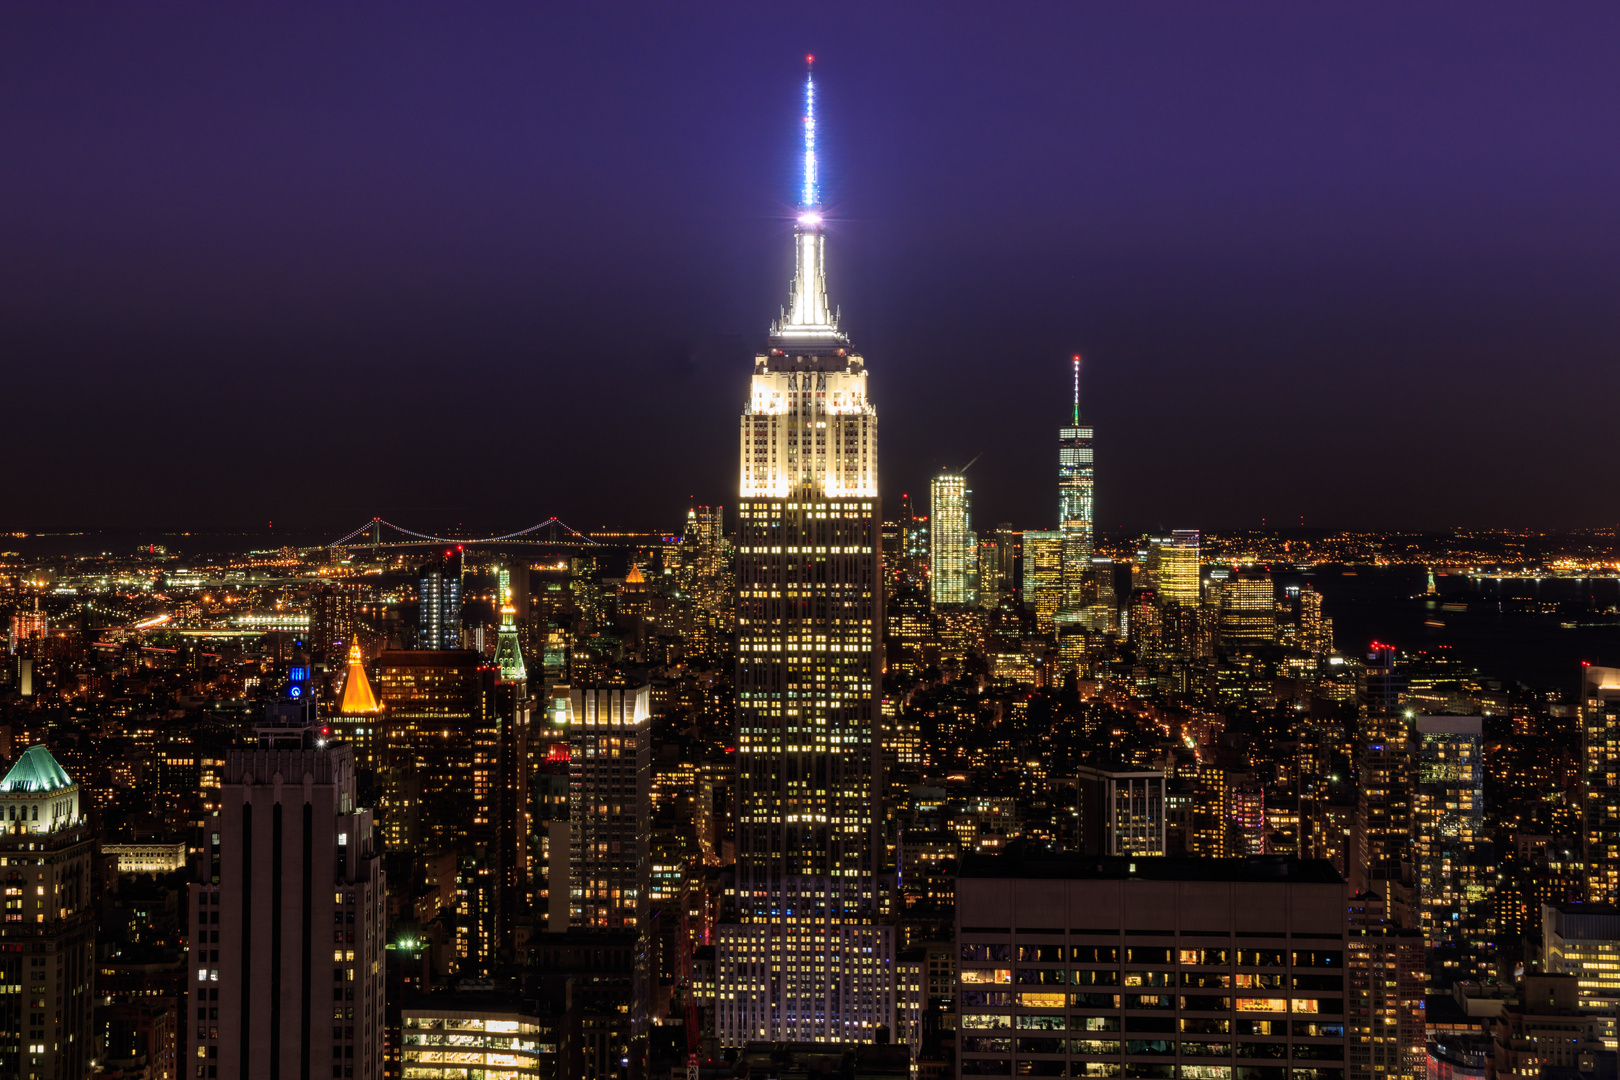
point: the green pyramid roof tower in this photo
(36, 770)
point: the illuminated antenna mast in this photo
(1076, 389)
(811, 196)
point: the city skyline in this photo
(1046, 769)
(1333, 265)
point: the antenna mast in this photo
(1076, 389)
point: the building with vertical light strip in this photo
(805, 959)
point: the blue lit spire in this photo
(808, 315)
(811, 196)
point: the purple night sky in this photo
(1358, 263)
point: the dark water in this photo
(1503, 632)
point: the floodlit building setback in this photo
(806, 959)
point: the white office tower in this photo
(805, 959)
(953, 552)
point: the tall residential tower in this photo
(805, 959)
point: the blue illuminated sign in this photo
(298, 674)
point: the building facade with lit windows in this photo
(1077, 483)
(439, 753)
(610, 804)
(1387, 1029)
(439, 602)
(1455, 862)
(1110, 966)
(47, 941)
(953, 570)
(454, 1036)
(1600, 781)
(1043, 576)
(806, 959)
(1173, 561)
(1584, 940)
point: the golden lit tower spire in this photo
(357, 695)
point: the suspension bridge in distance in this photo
(550, 533)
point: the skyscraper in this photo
(331, 622)
(1224, 968)
(805, 959)
(610, 810)
(1173, 562)
(707, 578)
(439, 748)
(1043, 576)
(358, 718)
(953, 549)
(438, 624)
(295, 855)
(1600, 781)
(1076, 482)
(48, 938)
(1455, 861)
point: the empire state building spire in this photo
(808, 955)
(809, 317)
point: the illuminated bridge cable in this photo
(461, 540)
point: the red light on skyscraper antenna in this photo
(810, 59)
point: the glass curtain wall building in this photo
(806, 959)
(1456, 873)
(953, 554)
(1076, 485)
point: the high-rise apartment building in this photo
(1454, 860)
(1386, 1013)
(1384, 800)
(1076, 491)
(1248, 608)
(1584, 940)
(1600, 781)
(438, 620)
(289, 918)
(1121, 811)
(439, 749)
(331, 622)
(914, 547)
(1043, 576)
(953, 548)
(609, 804)
(48, 938)
(706, 576)
(987, 587)
(1173, 565)
(1135, 966)
(806, 958)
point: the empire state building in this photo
(806, 959)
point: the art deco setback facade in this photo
(1207, 969)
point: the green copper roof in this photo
(36, 770)
(509, 655)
